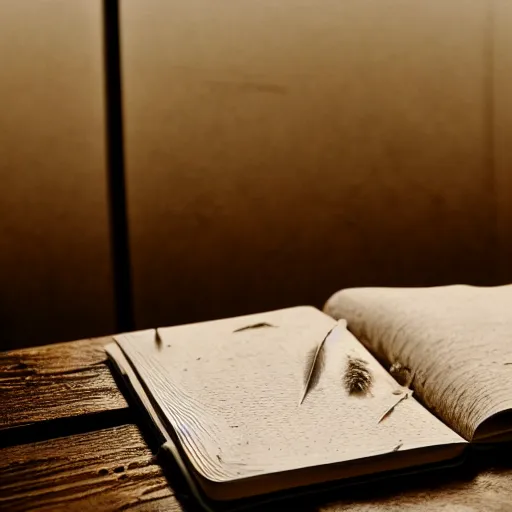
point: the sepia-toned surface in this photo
(55, 276)
(111, 469)
(279, 151)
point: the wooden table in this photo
(70, 441)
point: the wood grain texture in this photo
(55, 266)
(106, 470)
(170, 504)
(276, 152)
(56, 381)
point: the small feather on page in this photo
(259, 325)
(358, 378)
(314, 364)
(158, 339)
(406, 395)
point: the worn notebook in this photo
(385, 381)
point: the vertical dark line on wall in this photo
(116, 175)
(489, 137)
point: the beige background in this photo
(278, 151)
(55, 276)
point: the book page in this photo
(232, 395)
(457, 341)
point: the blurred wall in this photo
(275, 152)
(55, 275)
(502, 130)
(278, 151)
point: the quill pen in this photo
(315, 363)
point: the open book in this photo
(237, 404)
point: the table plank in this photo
(109, 469)
(56, 381)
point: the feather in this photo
(254, 326)
(315, 360)
(158, 339)
(358, 378)
(407, 394)
(314, 365)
